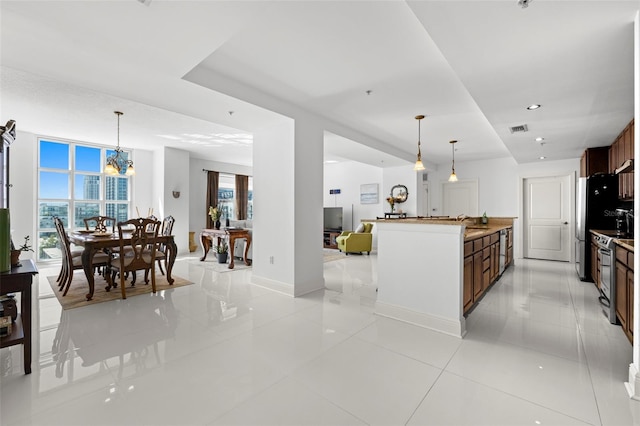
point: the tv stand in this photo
(329, 238)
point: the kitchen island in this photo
(423, 274)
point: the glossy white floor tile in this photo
(224, 351)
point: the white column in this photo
(287, 225)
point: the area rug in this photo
(328, 256)
(211, 263)
(75, 298)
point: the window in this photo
(226, 195)
(71, 185)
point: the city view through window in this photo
(71, 185)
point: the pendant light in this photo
(419, 166)
(453, 177)
(117, 161)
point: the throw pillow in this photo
(360, 228)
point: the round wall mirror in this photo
(399, 193)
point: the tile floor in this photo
(226, 352)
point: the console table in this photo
(231, 234)
(399, 215)
(19, 280)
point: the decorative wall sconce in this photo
(176, 194)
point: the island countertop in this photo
(473, 225)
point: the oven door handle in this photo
(604, 251)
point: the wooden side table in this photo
(207, 239)
(19, 280)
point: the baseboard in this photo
(273, 285)
(633, 385)
(432, 322)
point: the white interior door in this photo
(547, 213)
(460, 198)
(425, 210)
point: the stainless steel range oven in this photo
(606, 251)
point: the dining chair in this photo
(161, 253)
(71, 261)
(100, 223)
(138, 246)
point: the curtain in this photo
(242, 196)
(212, 194)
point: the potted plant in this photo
(222, 250)
(15, 252)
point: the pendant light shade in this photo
(419, 166)
(453, 177)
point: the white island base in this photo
(420, 274)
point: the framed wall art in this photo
(369, 193)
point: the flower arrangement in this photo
(215, 212)
(392, 202)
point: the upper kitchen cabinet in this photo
(594, 160)
(621, 161)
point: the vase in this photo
(222, 257)
(15, 257)
(217, 224)
(192, 242)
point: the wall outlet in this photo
(271, 260)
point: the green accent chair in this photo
(357, 241)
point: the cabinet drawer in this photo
(495, 238)
(630, 260)
(477, 245)
(486, 252)
(468, 248)
(486, 241)
(486, 264)
(622, 255)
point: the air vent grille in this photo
(519, 129)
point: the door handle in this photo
(566, 223)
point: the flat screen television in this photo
(333, 219)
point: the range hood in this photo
(626, 167)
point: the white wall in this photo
(347, 176)
(176, 161)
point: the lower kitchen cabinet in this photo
(624, 290)
(481, 267)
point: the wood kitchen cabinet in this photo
(621, 151)
(624, 290)
(594, 160)
(509, 252)
(481, 267)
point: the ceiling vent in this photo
(519, 129)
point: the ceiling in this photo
(203, 75)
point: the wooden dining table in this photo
(94, 243)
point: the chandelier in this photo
(118, 161)
(419, 166)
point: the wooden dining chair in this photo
(100, 223)
(138, 248)
(71, 262)
(161, 253)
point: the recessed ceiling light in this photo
(330, 162)
(533, 106)
(542, 157)
(539, 139)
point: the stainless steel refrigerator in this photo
(596, 203)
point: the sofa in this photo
(357, 241)
(238, 249)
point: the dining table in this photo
(92, 242)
